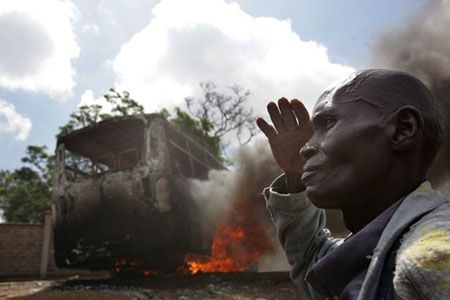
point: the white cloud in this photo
(91, 28)
(37, 46)
(187, 42)
(87, 98)
(12, 122)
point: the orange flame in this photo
(238, 243)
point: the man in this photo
(366, 151)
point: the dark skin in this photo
(350, 156)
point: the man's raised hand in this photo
(290, 131)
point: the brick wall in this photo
(21, 247)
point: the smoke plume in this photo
(235, 197)
(421, 46)
(253, 169)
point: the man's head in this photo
(369, 132)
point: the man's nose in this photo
(308, 151)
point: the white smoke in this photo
(253, 168)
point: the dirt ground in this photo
(238, 286)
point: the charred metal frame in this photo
(133, 201)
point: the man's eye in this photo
(329, 122)
(324, 122)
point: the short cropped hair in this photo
(390, 90)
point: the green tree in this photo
(25, 192)
(39, 161)
(223, 113)
(122, 105)
(209, 119)
(198, 129)
(87, 115)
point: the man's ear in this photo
(408, 123)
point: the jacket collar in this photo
(416, 204)
(337, 270)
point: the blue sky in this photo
(62, 53)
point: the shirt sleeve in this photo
(423, 263)
(300, 229)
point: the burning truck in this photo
(120, 195)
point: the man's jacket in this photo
(420, 225)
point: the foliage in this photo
(121, 104)
(222, 113)
(40, 161)
(215, 115)
(195, 128)
(84, 116)
(25, 192)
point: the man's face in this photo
(348, 155)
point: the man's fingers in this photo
(268, 130)
(275, 116)
(300, 112)
(287, 116)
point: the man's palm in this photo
(290, 131)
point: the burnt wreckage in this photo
(120, 191)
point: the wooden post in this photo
(46, 244)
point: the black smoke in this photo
(421, 46)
